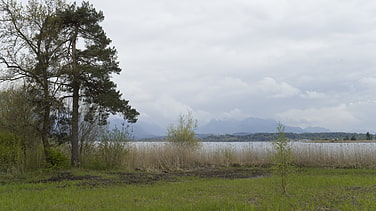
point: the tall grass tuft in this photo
(109, 153)
(161, 157)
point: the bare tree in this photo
(31, 53)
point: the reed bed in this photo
(165, 156)
(340, 155)
(157, 156)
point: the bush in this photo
(58, 159)
(11, 153)
(183, 134)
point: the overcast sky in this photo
(304, 63)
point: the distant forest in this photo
(337, 136)
(332, 136)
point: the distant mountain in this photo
(139, 130)
(251, 125)
(147, 130)
(316, 130)
(142, 129)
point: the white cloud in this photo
(336, 118)
(352, 117)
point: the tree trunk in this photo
(75, 162)
(75, 119)
(45, 132)
(46, 103)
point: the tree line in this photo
(56, 64)
(332, 136)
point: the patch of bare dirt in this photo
(227, 173)
(368, 189)
(68, 176)
(143, 177)
(114, 178)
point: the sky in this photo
(303, 63)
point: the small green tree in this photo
(282, 158)
(183, 134)
(369, 136)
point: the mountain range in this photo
(251, 125)
(142, 129)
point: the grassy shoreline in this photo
(309, 189)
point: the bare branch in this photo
(4, 61)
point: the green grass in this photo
(309, 189)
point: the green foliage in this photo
(183, 134)
(23, 150)
(11, 155)
(282, 158)
(17, 115)
(369, 136)
(58, 159)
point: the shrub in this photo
(58, 159)
(183, 134)
(11, 153)
(282, 158)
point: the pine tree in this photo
(90, 69)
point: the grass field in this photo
(213, 189)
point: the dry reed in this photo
(157, 156)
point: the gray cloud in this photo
(305, 63)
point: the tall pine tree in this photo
(90, 69)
